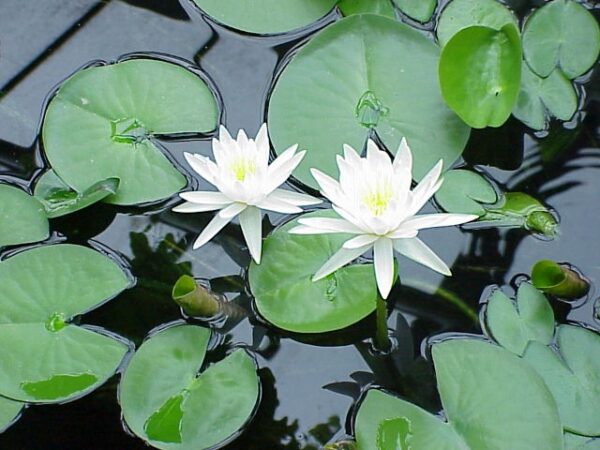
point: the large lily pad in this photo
(512, 325)
(288, 298)
(103, 121)
(539, 97)
(22, 217)
(364, 73)
(167, 403)
(475, 379)
(573, 377)
(460, 14)
(266, 16)
(41, 290)
(563, 34)
(480, 74)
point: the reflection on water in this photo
(309, 385)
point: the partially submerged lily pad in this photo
(573, 376)
(514, 325)
(560, 280)
(42, 289)
(480, 74)
(60, 199)
(166, 402)
(22, 217)
(103, 121)
(288, 298)
(266, 16)
(563, 34)
(481, 419)
(362, 74)
(464, 191)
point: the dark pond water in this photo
(309, 386)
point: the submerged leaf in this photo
(480, 74)
(165, 424)
(394, 434)
(22, 217)
(562, 34)
(58, 386)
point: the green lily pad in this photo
(420, 10)
(514, 325)
(542, 97)
(463, 191)
(166, 402)
(364, 73)
(394, 434)
(22, 217)
(474, 380)
(41, 290)
(266, 16)
(288, 298)
(560, 280)
(103, 121)
(460, 14)
(576, 442)
(381, 7)
(60, 199)
(480, 74)
(573, 377)
(563, 34)
(9, 412)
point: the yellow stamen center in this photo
(242, 167)
(377, 200)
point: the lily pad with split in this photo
(288, 298)
(168, 404)
(22, 217)
(43, 289)
(104, 122)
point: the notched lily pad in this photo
(165, 401)
(103, 121)
(60, 199)
(362, 74)
(22, 217)
(288, 298)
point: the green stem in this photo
(382, 339)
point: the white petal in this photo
(351, 156)
(281, 169)
(340, 259)
(274, 204)
(213, 227)
(189, 207)
(201, 165)
(403, 157)
(376, 156)
(403, 231)
(232, 210)
(262, 144)
(224, 136)
(437, 220)
(251, 223)
(205, 197)
(352, 219)
(242, 140)
(294, 198)
(303, 229)
(329, 187)
(383, 254)
(416, 250)
(426, 188)
(330, 225)
(360, 241)
(220, 152)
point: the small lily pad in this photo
(266, 16)
(540, 98)
(9, 412)
(420, 10)
(474, 380)
(288, 298)
(463, 191)
(103, 121)
(563, 34)
(514, 325)
(460, 14)
(560, 280)
(42, 289)
(381, 7)
(573, 377)
(60, 199)
(480, 74)
(22, 217)
(363, 74)
(165, 401)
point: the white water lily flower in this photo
(375, 202)
(246, 183)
